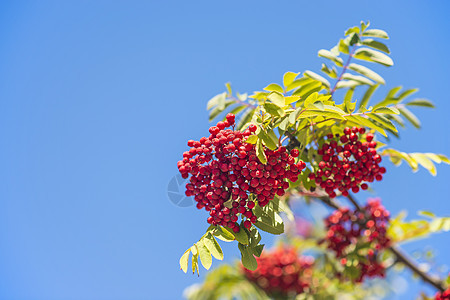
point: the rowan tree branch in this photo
(400, 256)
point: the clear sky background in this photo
(97, 101)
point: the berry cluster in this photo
(225, 169)
(282, 273)
(346, 162)
(364, 230)
(445, 295)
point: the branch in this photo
(344, 69)
(404, 259)
(399, 255)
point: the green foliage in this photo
(303, 107)
(401, 230)
(205, 248)
(225, 282)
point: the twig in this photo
(344, 69)
(354, 202)
(404, 259)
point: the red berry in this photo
(295, 153)
(247, 224)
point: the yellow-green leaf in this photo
(184, 260)
(288, 78)
(205, 255)
(376, 45)
(329, 55)
(378, 33)
(373, 56)
(213, 246)
(273, 87)
(366, 72)
(276, 98)
(317, 77)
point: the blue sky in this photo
(97, 101)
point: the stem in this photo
(243, 102)
(344, 69)
(354, 202)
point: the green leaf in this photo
(213, 246)
(217, 110)
(426, 214)
(205, 255)
(329, 55)
(406, 93)
(240, 236)
(378, 33)
(367, 72)
(343, 47)
(298, 82)
(184, 260)
(252, 139)
(273, 87)
(366, 123)
(273, 109)
(443, 158)
(229, 91)
(291, 99)
(237, 110)
(364, 25)
(352, 30)
(268, 220)
(194, 259)
(284, 124)
(376, 45)
(248, 260)
(383, 121)
(217, 100)
(307, 89)
(357, 78)
(386, 110)
(366, 97)
(257, 250)
(349, 106)
(276, 98)
(288, 78)
(410, 117)
(224, 234)
(267, 140)
(246, 117)
(317, 77)
(354, 39)
(311, 99)
(260, 152)
(425, 162)
(421, 102)
(342, 84)
(330, 72)
(373, 56)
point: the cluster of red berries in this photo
(225, 169)
(445, 295)
(349, 230)
(282, 272)
(346, 162)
